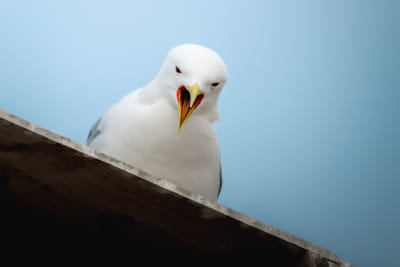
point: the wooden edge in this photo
(208, 206)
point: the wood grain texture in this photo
(75, 201)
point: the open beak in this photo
(189, 98)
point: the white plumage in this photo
(153, 128)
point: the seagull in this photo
(166, 127)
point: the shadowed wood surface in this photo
(76, 201)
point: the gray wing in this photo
(220, 180)
(94, 132)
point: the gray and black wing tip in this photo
(220, 181)
(94, 132)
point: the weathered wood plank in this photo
(55, 190)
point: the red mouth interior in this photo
(183, 97)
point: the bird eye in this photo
(178, 70)
(215, 84)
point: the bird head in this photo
(192, 78)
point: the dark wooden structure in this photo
(65, 199)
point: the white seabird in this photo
(165, 128)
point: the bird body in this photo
(145, 128)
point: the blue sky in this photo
(310, 116)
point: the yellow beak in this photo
(189, 98)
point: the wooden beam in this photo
(59, 192)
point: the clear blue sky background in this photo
(310, 117)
